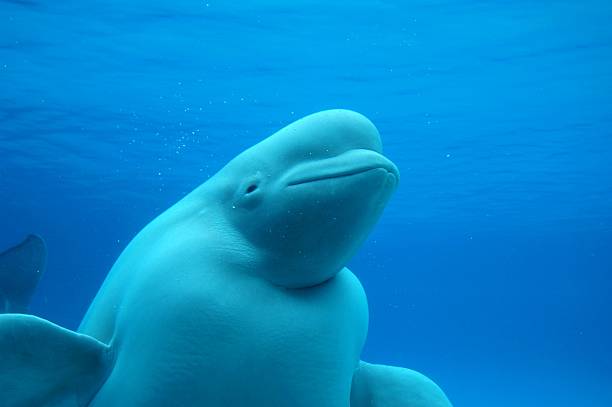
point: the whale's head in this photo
(306, 197)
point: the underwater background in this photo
(491, 268)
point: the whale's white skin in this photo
(237, 294)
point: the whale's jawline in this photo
(341, 174)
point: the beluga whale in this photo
(237, 295)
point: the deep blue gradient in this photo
(491, 269)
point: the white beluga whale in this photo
(21, 267)
(235, 296)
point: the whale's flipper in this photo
(42, 364)
(389, 386)
(20, 269)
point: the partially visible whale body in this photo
(235, 296)
(21, 267)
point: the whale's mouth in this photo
(348, 164)
(340, 174)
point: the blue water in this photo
(491, 269)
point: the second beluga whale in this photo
(21, 268)
(237, 295)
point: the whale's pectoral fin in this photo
(42, 364)
(389, 386)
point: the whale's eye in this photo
(251, 188)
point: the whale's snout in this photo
(347, 164)
(330, 144)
